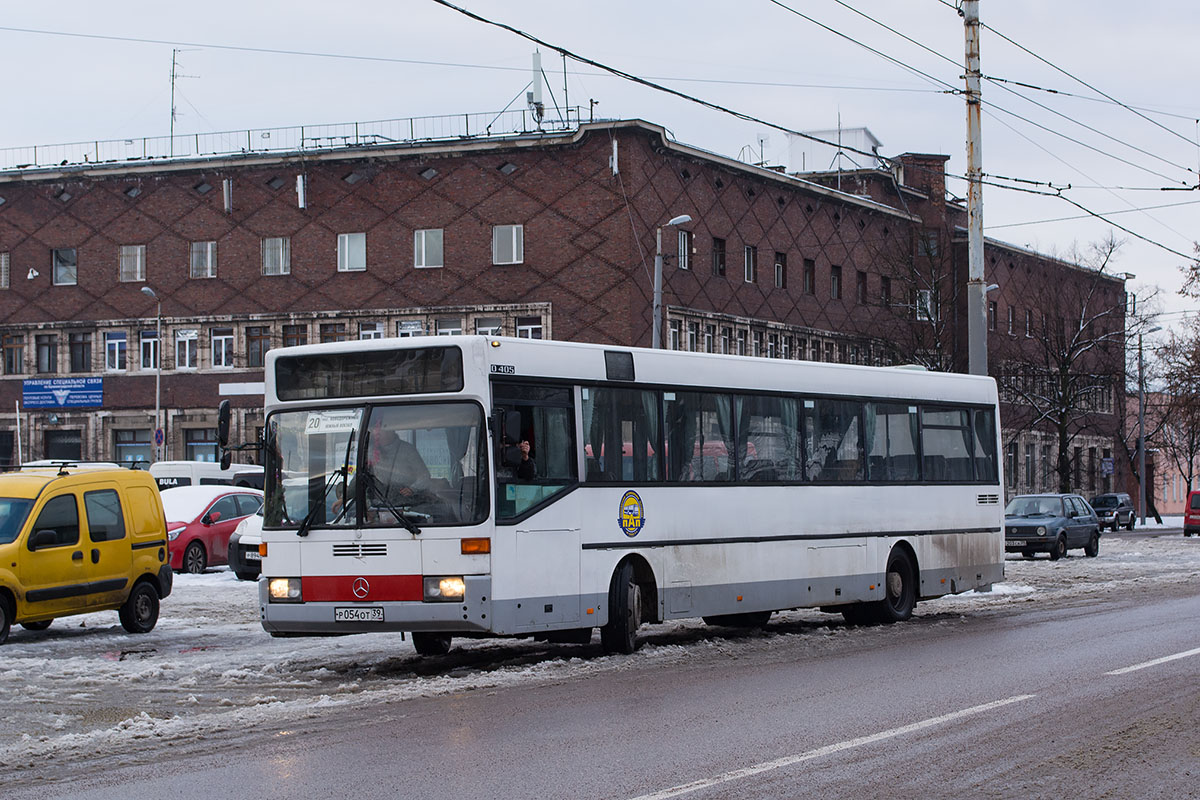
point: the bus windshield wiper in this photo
(400, 514)
(342, 472)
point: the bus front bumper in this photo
(471, 614)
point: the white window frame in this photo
(513, 238)
(926, 309)
(69, 275)
(370, 330)
(352, 252)
(131, 259)
(751, 257)
(409, 327)
(148, 349)
(526, 329)
(489, 326)
(276, 255)
(685, 249)
(224, 349)
(202, 260)
(186, 345)
(426, 256)
(4, 271)
(448, 326)
(116, 351)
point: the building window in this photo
(810, 276)
(829, 352)
(726, 338)
(409, 327)
(276, 255)
(781, 270)
(370, 330)
(200, 444)
(508, 244)
(673, 336)
(63, 445)
(133, 446)
(718, 256)
(64, 266)
(772, 345)
(741, 342)
(860, 287)
(1012, 321)
(929, 244)
(835, 283)
(185, 348)
(685, 249)
(149, 349)
(756, 342)
(295, 335)
(751, 263)
(204, 260)
(333, 332)
(1010, 467)
(133, 262)
(1028, 322)
(489, 326)
(925, 306)
(529, 327)
(427, 249)
(787, 347)
(710, 332)
(351, 252)
(46, 346)
(448, 327)
(115, 346)
(991, 315)
(222, 348)
(4, 274)
(1030, 464)
(258, 342)
(885, 291)
(693, 333)
(14, 354)
(7, 439)
(80, 346)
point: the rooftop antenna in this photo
(534, 97)
(175, 76)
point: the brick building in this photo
(540, 235)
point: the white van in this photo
(169, 474)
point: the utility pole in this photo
(976, 291)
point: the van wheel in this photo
(624, 612)
(431, 644)
(37, 626)
(139, 614)
(194, 559)
(5, 620)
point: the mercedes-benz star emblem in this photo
(361, 588)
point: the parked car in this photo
(1050, 523)
(77, 540)
(1191, 514)
(171, 474)
(200, 520)
(1114, 510)
(244, 558)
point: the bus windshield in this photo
(376, 466)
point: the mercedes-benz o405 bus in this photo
(472, 485)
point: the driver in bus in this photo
(399, 469)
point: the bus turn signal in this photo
(480, 546)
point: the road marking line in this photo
(1155, 662)
(787, 761)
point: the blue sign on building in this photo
(62, 392)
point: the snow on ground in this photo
(85, 687)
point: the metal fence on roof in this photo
(301, 138)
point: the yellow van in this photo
(77, 539)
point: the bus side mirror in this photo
(223, 424)
(512, 426)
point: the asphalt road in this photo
(1087, 699)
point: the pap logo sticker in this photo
(633, 516)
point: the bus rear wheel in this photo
(431, 644)
(624, 612)
(900, 588)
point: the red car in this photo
(200, 520)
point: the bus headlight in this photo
(444, 590)
(284, 590)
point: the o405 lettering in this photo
(503, 369)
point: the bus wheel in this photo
(624, 612)
(431, 644)
(900, 588)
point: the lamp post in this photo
(1142, 428)
(656, 338)
(146, 290)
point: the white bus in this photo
(471, 485)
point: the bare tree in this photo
(1063, 371)
(918, 319)
(1178, 417)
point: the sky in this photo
(85, 71)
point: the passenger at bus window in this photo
(399, 468)
(517, 463)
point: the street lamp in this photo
(656, 338)
(1142, 427)
(146, 290)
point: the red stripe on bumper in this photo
(378, 588)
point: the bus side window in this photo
(543, 416)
